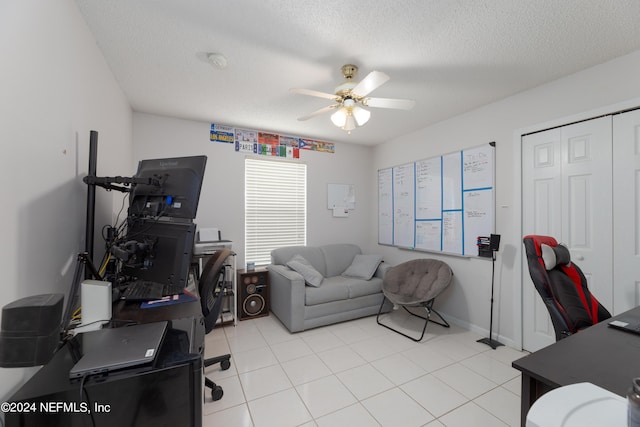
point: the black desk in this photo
(601, 355)
(169, 395)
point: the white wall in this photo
(55, 87)
(573, 97)
(222, 197)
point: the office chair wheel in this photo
(225, 364)
(216, 393)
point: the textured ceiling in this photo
(450, 56)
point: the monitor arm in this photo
(107, 182)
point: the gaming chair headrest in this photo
(555, 255)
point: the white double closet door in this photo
(581, 185)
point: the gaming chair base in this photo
(224, 361)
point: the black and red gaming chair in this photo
(562, 286)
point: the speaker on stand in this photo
(489, 248)
(253, 293)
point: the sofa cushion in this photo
(301, 265)
(332, 289)
(363, 266)
(338, 257)
(339, 288)
(359, 287)
(311, 253)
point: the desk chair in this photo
(562, 286)
(212, 286)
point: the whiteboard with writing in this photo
(403, 205)
(439, 204)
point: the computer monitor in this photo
(178, 192)
(162, 251)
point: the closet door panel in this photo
(587, 215)
(541, 212)
(626, 203)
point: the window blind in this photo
(275, 207)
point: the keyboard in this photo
(146, 290)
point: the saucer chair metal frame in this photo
(416, 284)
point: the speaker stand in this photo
(489, 341)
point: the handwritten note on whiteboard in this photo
(403, 205)
(429, 189)
(385, 206)
(477, 168)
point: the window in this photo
(275, 206)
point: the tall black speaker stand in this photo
(489, 341)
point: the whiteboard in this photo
(439, 204)
(341, 196)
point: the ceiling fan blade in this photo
(310, 92)
(318, 112)
(374, 80)
(400, 104)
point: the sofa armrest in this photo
(287, 296)
(382, 269)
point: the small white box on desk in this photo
(95, 300)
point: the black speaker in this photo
(30, 331)
(494, 242)
(253, 294)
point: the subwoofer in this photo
(253, 293)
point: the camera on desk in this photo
(135, 254)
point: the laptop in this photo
(112, 349)
(628, 323)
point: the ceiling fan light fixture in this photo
(339, 118)
(350, 116)
(350, 123)
(361, 115)
(350, 96)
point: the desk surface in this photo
(601, 355)
(127, 311)
(145, 397)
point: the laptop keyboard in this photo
(146, 290)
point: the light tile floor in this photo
(358, 373)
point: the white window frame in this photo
(275, 207)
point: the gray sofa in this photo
(344, 293)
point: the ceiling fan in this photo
(350, 97)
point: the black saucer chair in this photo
(562, 286)
(212, 287)
(416, 284)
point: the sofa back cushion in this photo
(338, 257)
(311, 253)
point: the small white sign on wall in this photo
(341, 196)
